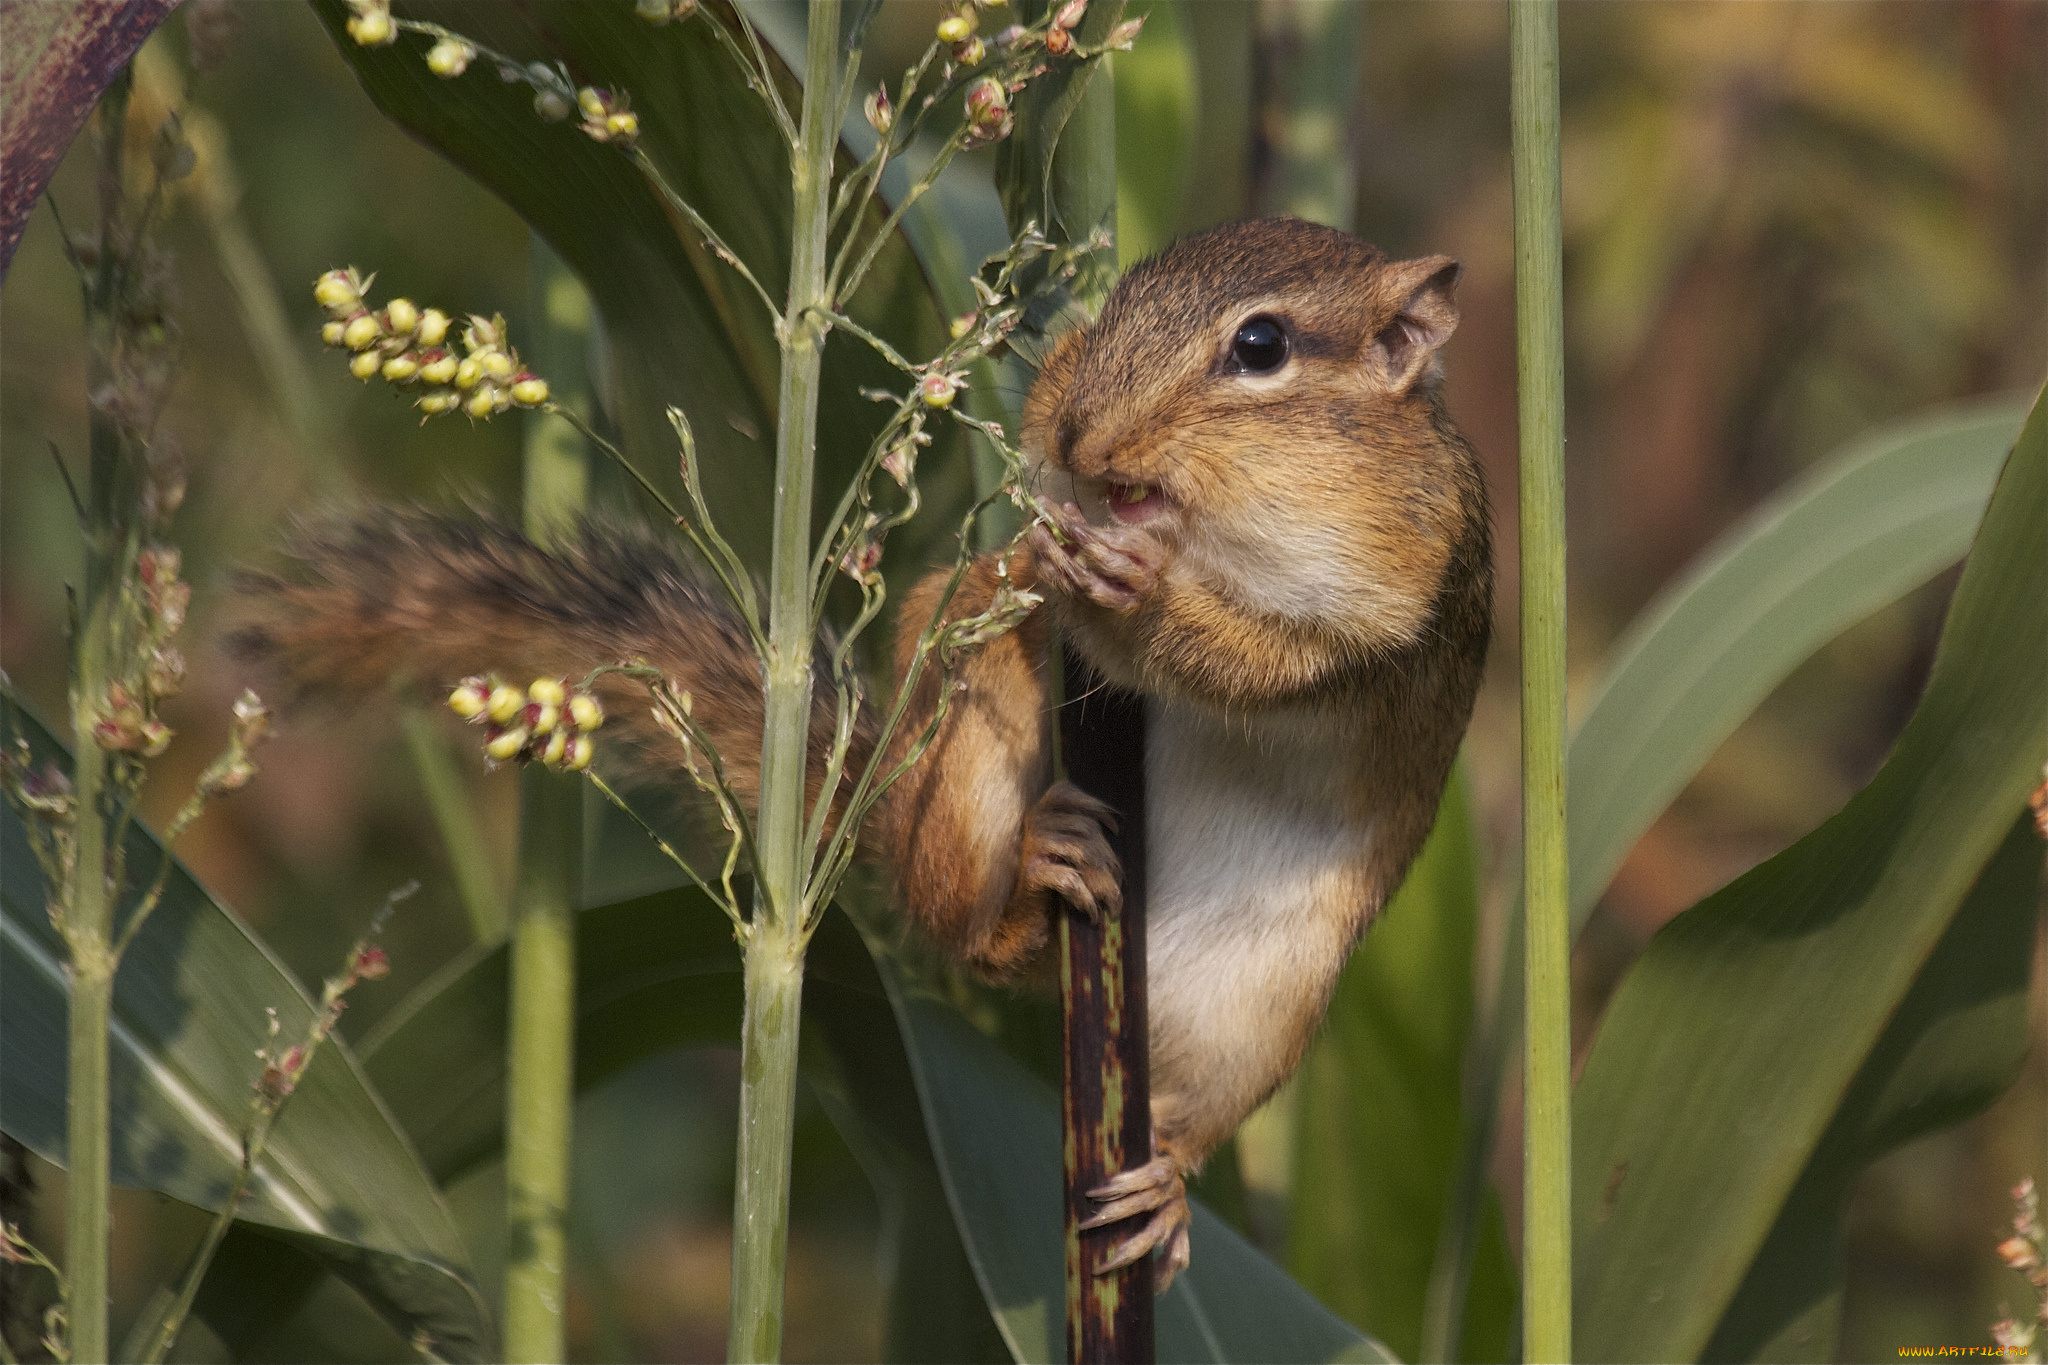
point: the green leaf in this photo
(1859, 531)
(995, 1130)
(1779, 1033)
(337, 1179)
(1376, 1122)
(662, 971)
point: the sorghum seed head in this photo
(955, 28)
(483, 402)
(504, 703)
(371, 25)
(507, 743)
(330, 332)
(336, 292)
(156, 737)
(469, 699)
(401, 316)
(970, 52)
(557, 746)
(401, 368)
(433, 327)
(437, 366)
(529, 389)
(623, 125)
(937, 390)
(584, 710)
(880, 116)
(439, 401)
(450, 57)
(365, 364)
(580, 751)
(252, 718)
(547, 691)
(495, 363)
(468, 371)
(362, 330)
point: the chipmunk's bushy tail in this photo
(385, 593)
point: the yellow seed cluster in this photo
(405, 344)
(542, 721)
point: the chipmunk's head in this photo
(1264, 396)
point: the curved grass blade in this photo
(1739, 1056)
(337, 1177)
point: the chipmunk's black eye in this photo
(1260, 346)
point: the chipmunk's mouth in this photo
(1134, 501)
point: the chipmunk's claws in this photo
(1113, 567)
(1157, 1186)
(1065, 851)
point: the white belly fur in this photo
(1254, 883)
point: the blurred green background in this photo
(1787, 222)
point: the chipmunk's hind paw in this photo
(1067, 852)
(1156, 1187)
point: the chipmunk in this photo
(1264, 522)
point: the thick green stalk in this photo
(540, 1100)
(540, 1097)
(775, 941)
(1539, 338)
(89, 908)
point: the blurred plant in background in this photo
(1786, 223)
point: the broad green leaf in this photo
(662, 971)
(1376, 1121)
(1821, 989)
(684, 328)
(995, 1130)
(338, 1179)
(1859, 531)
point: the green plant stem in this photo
(540, 1099)
(1539, 327)
(89, 909)
(540, 1095)
(774, 943)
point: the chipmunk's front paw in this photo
(1156, 1185)
(1111, 566)
(1067, 853)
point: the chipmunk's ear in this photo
(1425, 314)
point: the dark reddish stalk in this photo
(1105, 1100)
